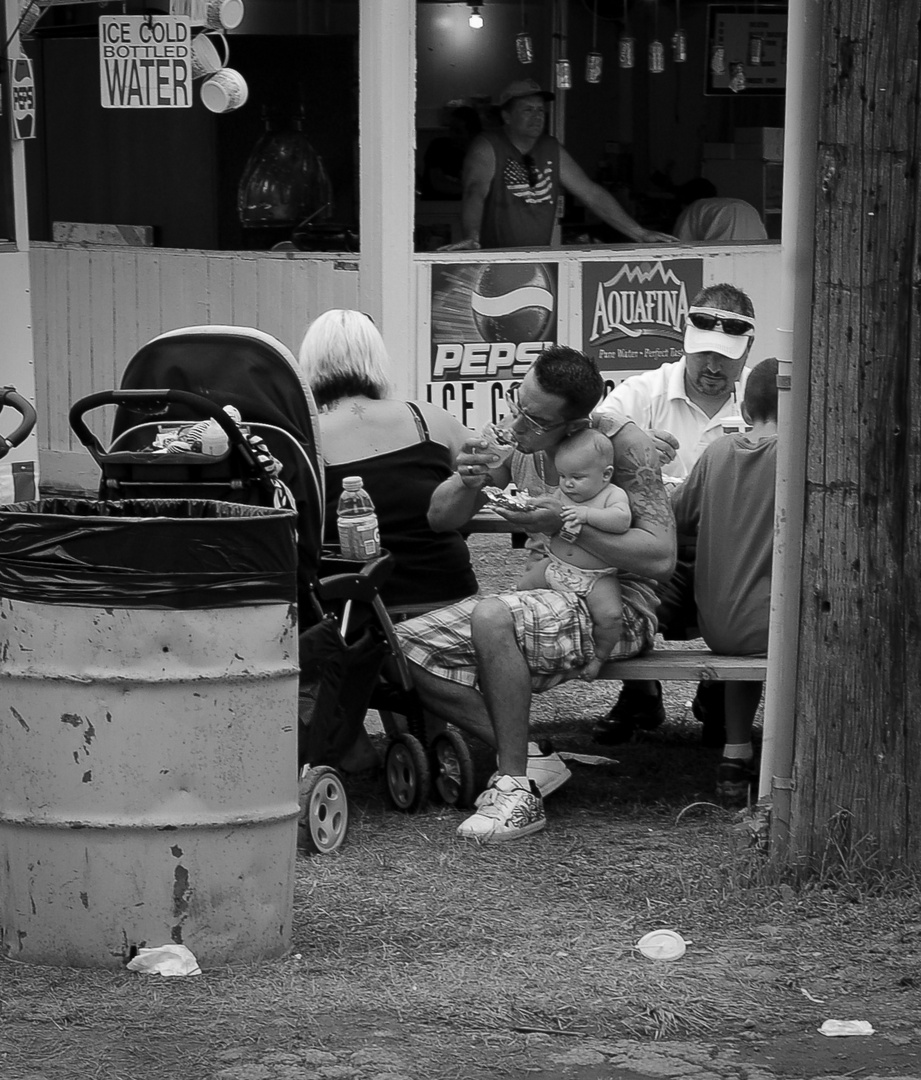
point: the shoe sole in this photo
(511, 834)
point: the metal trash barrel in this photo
(148, 730)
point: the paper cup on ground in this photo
(206, 60)
(662, 945)
(224, 91)
(223, 14)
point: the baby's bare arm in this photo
(614, 515)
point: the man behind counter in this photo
(512, 180)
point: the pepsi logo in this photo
(22, 88)
(513, 302)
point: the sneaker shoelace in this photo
(495, 802)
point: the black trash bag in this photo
(337, 680)
(156, 553)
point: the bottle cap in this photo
(351, 483)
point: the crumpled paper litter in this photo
(165, 960)
(847, 1027)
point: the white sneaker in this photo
(548, 771)
(505, 812)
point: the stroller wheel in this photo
(452, 769)
(323, 820)
(406, 772)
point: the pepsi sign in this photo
(489, 320)
(513, 302)
(22, 94)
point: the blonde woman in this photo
(402, 450)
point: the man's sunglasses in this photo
(539, 427)
(533, 172)
(735, 327)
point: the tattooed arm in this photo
(648, 548)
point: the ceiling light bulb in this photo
(476, 19)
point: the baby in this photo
(585, 464)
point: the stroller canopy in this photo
(256, 373)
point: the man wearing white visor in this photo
(685, 406)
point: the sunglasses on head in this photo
(533, 172)
(735, 327)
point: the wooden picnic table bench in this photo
(688, 665)
(666, 665)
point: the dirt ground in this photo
(418, 956)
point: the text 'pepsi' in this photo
(485, 359)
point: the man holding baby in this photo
(475, 664)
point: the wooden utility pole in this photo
(858, 693)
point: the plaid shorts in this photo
(553, 631)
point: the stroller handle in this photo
(148, 401)
(8, 396)
(155, 402)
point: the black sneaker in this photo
(709, 707)
(633, 709)
(734, 780)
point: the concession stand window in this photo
(176, 171)
(641, 131)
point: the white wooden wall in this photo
(94, 307)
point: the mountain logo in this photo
(638, 300)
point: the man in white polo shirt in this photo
(685, 406)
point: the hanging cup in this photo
(206, 60)
(223, 14)
(224, 91)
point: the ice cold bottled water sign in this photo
(145, 63)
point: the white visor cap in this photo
(732, 346)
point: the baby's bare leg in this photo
(534, 576)
(605, 604)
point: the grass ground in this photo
(419, 955)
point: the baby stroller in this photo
(171, 389)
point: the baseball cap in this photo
(715, 339)
(523, 88)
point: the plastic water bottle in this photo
(359, 535)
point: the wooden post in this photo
(858, 700)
